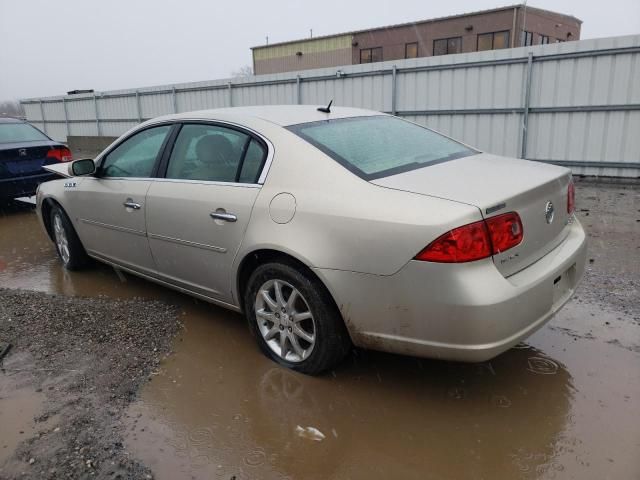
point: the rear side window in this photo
(215, 153)
(252, 163)
(379, 146)
(20, 132)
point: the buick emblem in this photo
(22, 152)
(549, 212)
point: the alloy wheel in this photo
(285, 320)
(61, 239)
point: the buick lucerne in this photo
(328, 228)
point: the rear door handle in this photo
(227, 217)
(131, 204)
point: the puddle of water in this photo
(19, 404)
(219, 409)
(562, 406)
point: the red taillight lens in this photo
(505, 231)
(61, 154)
(475, 241)
(463, 244)
(571, 198)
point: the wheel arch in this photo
(47, 205)
(255, 258)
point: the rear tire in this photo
(68, 245)
(294, 319)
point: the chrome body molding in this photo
(113, 227)
(179, 241)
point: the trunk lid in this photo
(24, 159)
(497, 185)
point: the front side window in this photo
(20, 132)
(379, 146)
(493, 40)
(445, 46)
(216, 154)
(136, 156)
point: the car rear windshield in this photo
(379, 146)
(20, 132)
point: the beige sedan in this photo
(328, 229)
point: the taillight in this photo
(475, 241)
(571, 198)
(505, 231)
(61, 154)
(463, 244)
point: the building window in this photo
(493, 41)
(411, 50)
(370, 55)
(445, 46)
(544, 39)
(527, 39)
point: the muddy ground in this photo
(78, 363)
(564, 404)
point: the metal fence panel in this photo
(55, 130)
(573, 103)
(202, 99)
(119, 107)
(81, 110)
(155, 105)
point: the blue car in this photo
(23, 151)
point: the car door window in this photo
(252, 164)
(214, 153)
(136, 156)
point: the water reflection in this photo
(221, 409)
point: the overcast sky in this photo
(49, 47)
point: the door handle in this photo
(227, 217)
(131, 204)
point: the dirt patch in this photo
(80, 362)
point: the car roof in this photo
(283, 115)
(10, 120)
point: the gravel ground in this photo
(610, 214)
(88, 357)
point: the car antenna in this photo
(326, 109)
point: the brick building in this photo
(505, 27)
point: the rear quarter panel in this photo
(341, 221)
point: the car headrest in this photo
(214, 148)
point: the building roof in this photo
(418, 22)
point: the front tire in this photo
(294, 319)
(68, 245)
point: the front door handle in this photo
(227, 217)
(131, 204)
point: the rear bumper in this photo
(23, 186)
(464, 312)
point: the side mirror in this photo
(84, 166)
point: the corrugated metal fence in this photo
(574, 103)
